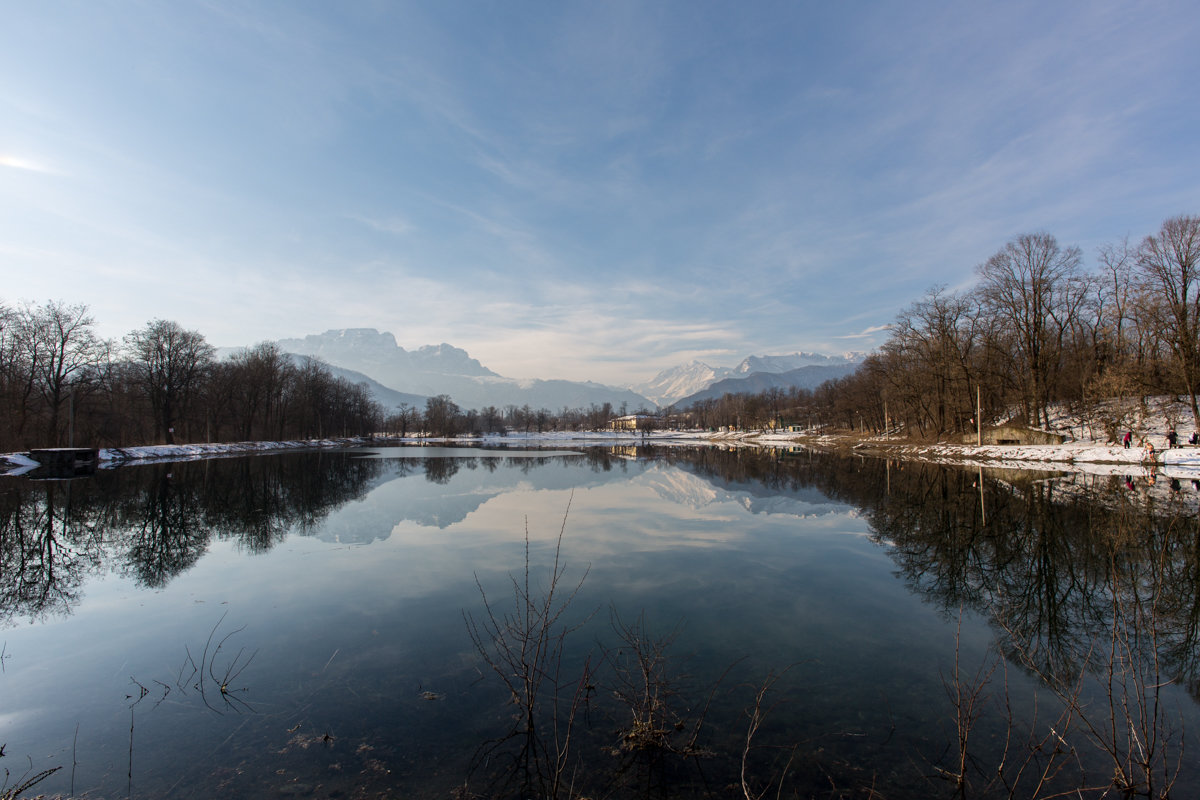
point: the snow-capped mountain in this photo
(683, 486)
(671, 384)
(687, 380)
(752, 364)
(397, 376)
(444, 369)
(387, 397)
(809, 377)
(377, 354)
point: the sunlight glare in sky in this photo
(16, 162)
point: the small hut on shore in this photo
(1015, 434)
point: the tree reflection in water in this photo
(1089, 587)
(155, 521)
(45, 551)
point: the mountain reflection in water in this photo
(846, 612)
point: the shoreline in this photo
(1081, 456)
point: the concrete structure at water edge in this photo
(66, 461)
(1015, 434)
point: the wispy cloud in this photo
(866, 333)
(28, 164)
(592, 191)
(393, 224)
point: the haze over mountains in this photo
(807, 377)
(396, 375)
(682, 384)
(444, 369)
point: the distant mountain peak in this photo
(450, 360)
(786, 363)
(445, 369)
(809, 376)
(358, 339)
(685, 380)
(680, 381)
(367, 350)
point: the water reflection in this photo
(1090, 588)
(45, 550)
(739, 560)
(156, 521)
(1049, 559)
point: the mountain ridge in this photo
(807, 377)
(396, 375)
(675, 385)
(445, 369)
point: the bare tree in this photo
(1116, 294)
(931, 350)
(168, 364)
(314, 388)
(1168, 264)
(441, 415)
(1032, 286)
(259, 377)
(12, 371)
(490, 419)
(62, 348)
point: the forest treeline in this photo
(1036, 329)
(63, 385)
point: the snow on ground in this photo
(1085, 456)
(1087, 448)
(21, 463)
(1080, 456)
(187, 452)
(1086, 451)
(17, 464)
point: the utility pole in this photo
(978, 416)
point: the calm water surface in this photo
(301, 625)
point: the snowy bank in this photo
(185, 452)
(1089, 457)
(21, 463)
(1080, 456)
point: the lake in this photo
(595, 622)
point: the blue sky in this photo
(579, 190)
